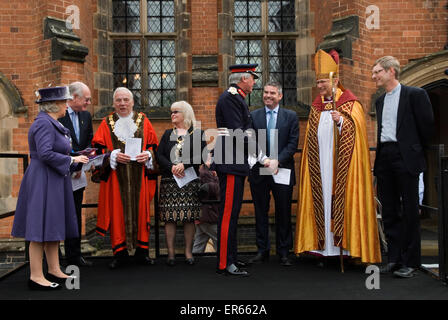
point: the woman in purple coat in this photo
(45, 212)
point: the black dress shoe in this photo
(284, 261)
(35, 286)
(405, 272)
(120, 259)
(390, 267)
(259, 258)
(145, 261)
(81, 262)
(84, 263)
(241, 264)
(233, 270)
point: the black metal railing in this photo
(440, 183)
(25, 162)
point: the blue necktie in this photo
(75, 122)
(271, 126)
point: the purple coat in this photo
(45, 208)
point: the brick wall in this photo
(25, 59)
(407, 29)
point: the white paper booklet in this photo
(283, 176)
(133, 147)
(190, 175)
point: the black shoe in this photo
(259, 258)
(81, 262)
(405, 272)
(119, 260)
(284, 261)
(233, 270)
(190, 261)
(145, 261)
(171, 262)
(141, 256)
(53, 278)
(241, 264)
(35, 286)
(390, 267)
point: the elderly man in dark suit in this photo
(405, 124)
(231, 154)
(282, 136)
(79, 122)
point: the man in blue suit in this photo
(282, 135)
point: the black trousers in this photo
(231, 193)
(398, 194)
(260, 188)
(73, 245)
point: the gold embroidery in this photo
(346, 145)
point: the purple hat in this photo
(54, 94)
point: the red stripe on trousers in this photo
(230, 185)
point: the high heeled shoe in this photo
(190, 261)
(36, 286)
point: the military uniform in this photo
(231, 153)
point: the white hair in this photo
(49, 107)
(77, 88)
(236, 77)
(125, 90)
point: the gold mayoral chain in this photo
(180, 143)
(137, 122)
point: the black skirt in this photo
(179, 204)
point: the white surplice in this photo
(325, 135)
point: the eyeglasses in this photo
(175, 112)
(377, 71)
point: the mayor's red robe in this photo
(125, 197)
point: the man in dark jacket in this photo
(233, 120)
(405, 123)
(282, 138)
(79, 122)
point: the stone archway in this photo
(10, 105)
